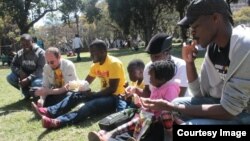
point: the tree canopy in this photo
(25, 13)
(143, 15)
(242, 16)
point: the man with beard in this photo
(57, 72)
(27, 66)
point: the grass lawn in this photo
(18, 122)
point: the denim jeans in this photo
(121, 104)
(242, 118)
(13, 80)
(91, 107)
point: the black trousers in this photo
(78, 51)
(53, 99)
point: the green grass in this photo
(18, 122)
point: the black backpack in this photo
(114, 120)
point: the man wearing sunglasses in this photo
(56, 74)
(27, 66)
(110, 71)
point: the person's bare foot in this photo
(40, 111)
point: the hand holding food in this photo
(79, 85)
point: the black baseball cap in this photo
(198, 8)
(159, 43)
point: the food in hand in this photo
(79, 85)
(137, 100)
(73, 85)
(83, 86)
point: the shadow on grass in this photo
(18, 106)
(93, 119)
(83, 59)
(44, 133)
(176, 51)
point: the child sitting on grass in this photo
(135, 70)
(160, 74)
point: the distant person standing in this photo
(38, 42)
(77, 45)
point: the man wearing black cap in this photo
(159, 48)
(222, 93)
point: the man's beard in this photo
(26, 50)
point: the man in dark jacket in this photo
(27, 66)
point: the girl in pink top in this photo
(161, 73)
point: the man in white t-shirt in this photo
(159, 49)
(77, 45)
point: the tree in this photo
(92, 11)
(180, 7)
(142, 15)
(70, 7)
(25, 13)
(242, 16)
(8, 35)
(232, 1)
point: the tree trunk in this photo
(77, 23)
(24, 29)
(183, 30)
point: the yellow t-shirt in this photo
(141, 86)
(112, 68)
(59, 81)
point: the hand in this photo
(130, 90)
(66, 86)
(126, 85)
(137, 100)
(42, 91)
(157, 105)
(24, 82)
(189, 52)
(22, 75)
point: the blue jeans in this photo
(91, 107)
(121, 104)
(13, 80)
(242, 118)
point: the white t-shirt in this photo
(181, 73)
(77, 43)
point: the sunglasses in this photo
(50, 62)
